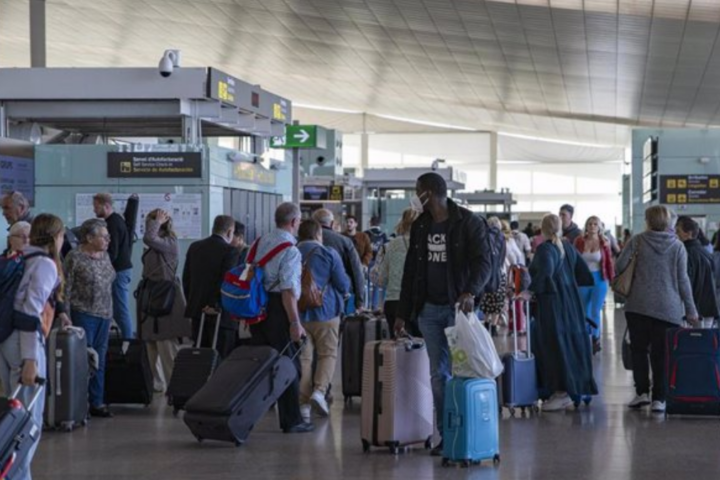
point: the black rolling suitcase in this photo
(66, 406)
(358, 330)
(128, 378)
(193, 367)
(239, 394)
(18, 431)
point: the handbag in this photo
(155, 298)
(311, 295)
(622, 283)
(626, 352)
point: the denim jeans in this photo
(10, 372)
(593, 298)
(97, 333)
(121, 302)
(433, 320)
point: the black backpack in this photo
(497, 249)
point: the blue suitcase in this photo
(692, 371)
(519, 378)
(471, 423)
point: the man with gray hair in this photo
(348, 253)
(16, 208)
(282, 328)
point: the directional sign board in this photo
(301, 136)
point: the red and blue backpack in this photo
(243, 293)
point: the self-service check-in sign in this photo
(300, 136)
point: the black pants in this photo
(227, 337)
(275, 332)
(647, 337)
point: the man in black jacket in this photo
(447, 263)
(206, 263)
(120, 251)
(347, 251)
(701, 270)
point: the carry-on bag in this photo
(18, 430)
(128, 378)
(358, 330)
(471, 422)
(626, 351)
(519, 378)
(397, 402)
(692, 373)
(66, 406)
(240, 393)
(193, 367)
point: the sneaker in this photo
(658, 407)
(557, 403)
(639, 401)
(319, 403)
(304, 427)
(437, 450)
(305, 411)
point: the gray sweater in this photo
(661, 287)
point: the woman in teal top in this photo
(388, 270)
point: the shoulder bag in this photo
(311, 295)
(155, 298)
(622, 283)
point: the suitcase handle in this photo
(39, 386)
(202, 328)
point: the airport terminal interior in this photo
(452, 163)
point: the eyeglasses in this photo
(104, 237)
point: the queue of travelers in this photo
(435, 262)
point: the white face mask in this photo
(417, 204)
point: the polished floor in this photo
(604, 441)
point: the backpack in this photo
(497, 249)
(12, 269)
(378, 239)
(243, 292)
(312, 295)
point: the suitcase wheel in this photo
(366, 446)
(445, 462)
(465, 464)
(512, 411)
(496, 459)
(67, 426)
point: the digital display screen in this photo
(18, 174)
(316, 193)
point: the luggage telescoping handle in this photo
(202, 328)
(515, 324)
(39, 387)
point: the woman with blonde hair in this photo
(562, 347)
(160, 262)
(389, 268)
(22, 353)
(594, 248)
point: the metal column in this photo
(492, 177)
(38, 54)
(296, 172)
(3, 121)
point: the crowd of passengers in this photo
(435, 261)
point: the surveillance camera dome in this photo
(169, 62)
(320, 160)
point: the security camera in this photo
(169, 62)
(237, 156)
(320, 160)
(436, 164)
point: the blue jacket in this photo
(329, 274)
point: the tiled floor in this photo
(604, 441)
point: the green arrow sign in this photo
(301, 136)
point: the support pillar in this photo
(38, 44)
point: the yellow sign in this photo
(682, 198)
(671, 198)
(279, 112)
(337, 193)
(682, 183)
(714, 183)
(672, 183)
(224, 93)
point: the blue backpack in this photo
(12, 269)
(243, 293)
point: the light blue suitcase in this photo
(471, 423)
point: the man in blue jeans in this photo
(447, 264)
(120, 251)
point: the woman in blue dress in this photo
(562, 348)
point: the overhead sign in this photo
(17, 174)
(689, 189)
(223, 87)
(280, 110)
(254, 173)
(154, 165)
(301, 136)
(315, 193)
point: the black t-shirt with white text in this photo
(437, 276)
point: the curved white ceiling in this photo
(582, 70)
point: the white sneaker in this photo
(639, 401)
(658, 407)
(557, 403)
(317, 400)
(305, 411)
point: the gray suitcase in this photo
(519, 378)
(358, 330)
(66, 405)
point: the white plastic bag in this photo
(472, 349)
